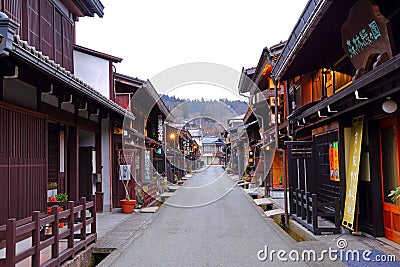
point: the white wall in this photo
(94, 71)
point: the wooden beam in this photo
(56, 114)
(73, 163)
(1, 88)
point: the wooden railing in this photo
(306, 210)
(32, 232)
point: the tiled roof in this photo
(60, 73)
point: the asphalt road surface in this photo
(207, 222)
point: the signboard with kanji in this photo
(353, 165)
(365, 34)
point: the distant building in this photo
(212, 150)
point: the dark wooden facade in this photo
(23, 162)
(46, 110)
(44, 25)
(327, 89)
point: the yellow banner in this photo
(352, 173)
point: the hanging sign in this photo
(160, 128)
(334, 162)
(353, 165)
(125, 172)
(147, 165)
(365, 34)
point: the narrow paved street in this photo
(208, 222)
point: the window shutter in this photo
(46, 28)
(68, 38)
(33, 23)
(58, 38)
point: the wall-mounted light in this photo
(389, 105)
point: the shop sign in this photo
(365, 34)
(147, 165)
(160, 128)
(334, 162)
(353, 165)
(125, 172)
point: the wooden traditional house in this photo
(341, 64)
(264, 120)
(212, 150)
(52, 123)
(180, 151)
(144, 143)
(100, 75)
(234, 127)
(46, 109)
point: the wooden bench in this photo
(274, 212)
(263, 201)
(243, 184)
(165, 195)
(173, 188)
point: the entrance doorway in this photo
(390, 178)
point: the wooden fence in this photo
(32, 231)
(307, 210)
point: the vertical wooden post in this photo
(302, 202)
(298, 210)
(11, 232)
(99, 187)
(83, 218)
(337, 212)
(73, 169)
(314, 212)
(71, 226)
(291, 198)
(55, 232)
(36, 239)
(308, 204)
(93, 214)
(1, 87)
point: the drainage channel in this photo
(293, 234)
(98, 255)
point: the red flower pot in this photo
(127, 205)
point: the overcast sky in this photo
(152, 36)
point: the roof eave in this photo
(308, 20)
(51, 69)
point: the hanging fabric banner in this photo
(353, 165)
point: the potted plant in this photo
(394, 194)
(52, 189)
(57, 198)
(127, 203)
(246, 175)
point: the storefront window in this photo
(389, 160)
